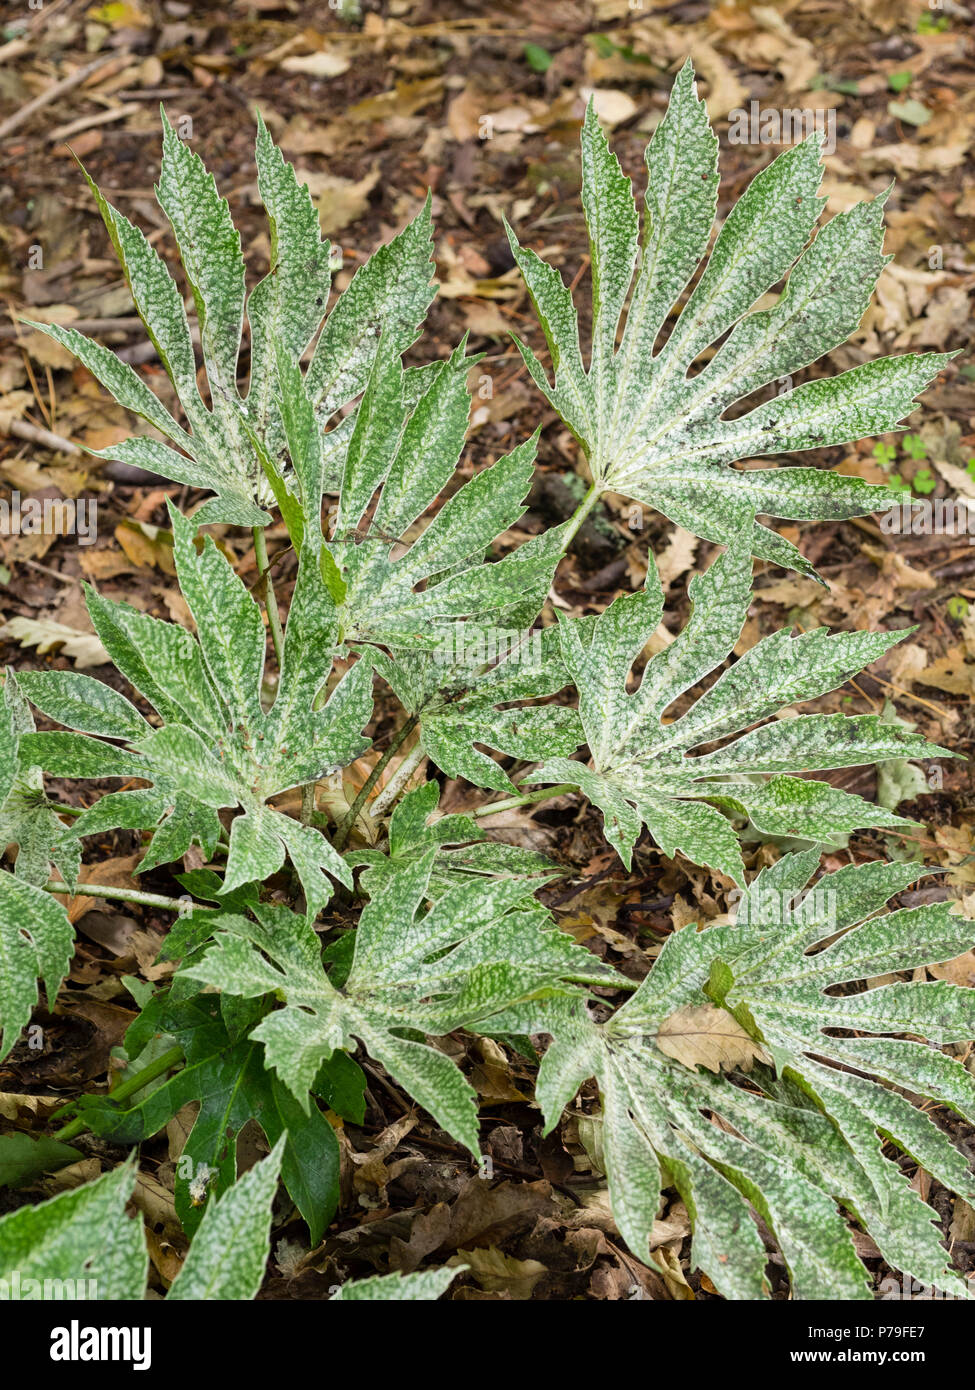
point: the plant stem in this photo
(122, 895)
(128, 1088)
(270, 602)
(581, 512)
(513, 801)
(398, 781)
(345, 829)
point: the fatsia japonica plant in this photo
(770, 1065)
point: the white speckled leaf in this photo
(82, 1235)
(27, 819)
(227, 448)
(483, 947)
(788, 1159)
(229, 1252)
(457, 695)
(648, 765)
(463, 850)
(36, 939)
(652, 431)
(218, 746)
(83, 703)
(425, 1285)
(392, 292)
(209, 248)
(409, 449)
(288, 305)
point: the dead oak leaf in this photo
(497, 1272)
(703, 1034)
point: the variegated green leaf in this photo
(229, 1252)
(797, 1147)
(484, 946)
(209, 247)
(218, 746)
(648, 428)
(27, 819)
(234, 447)
(36, 939)
(463, 849)
(424, 1286)
(77, 1245)
(464, 693)
(644, 769)
(409, 449)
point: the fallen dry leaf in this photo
(84, 648)
(703, 1034)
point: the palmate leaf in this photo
(218, 746)
(651, 431)
(463, 850)
(406, 590)
(482, 947)
(806, 1146)
(221, 451)
(642, 769)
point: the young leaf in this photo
(652, 431)
(462, 848)
(408, 446)
(460, 703)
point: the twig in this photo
(37, 434)
(13, 49)
(68, 579)
(56, 89)
(114, 113)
